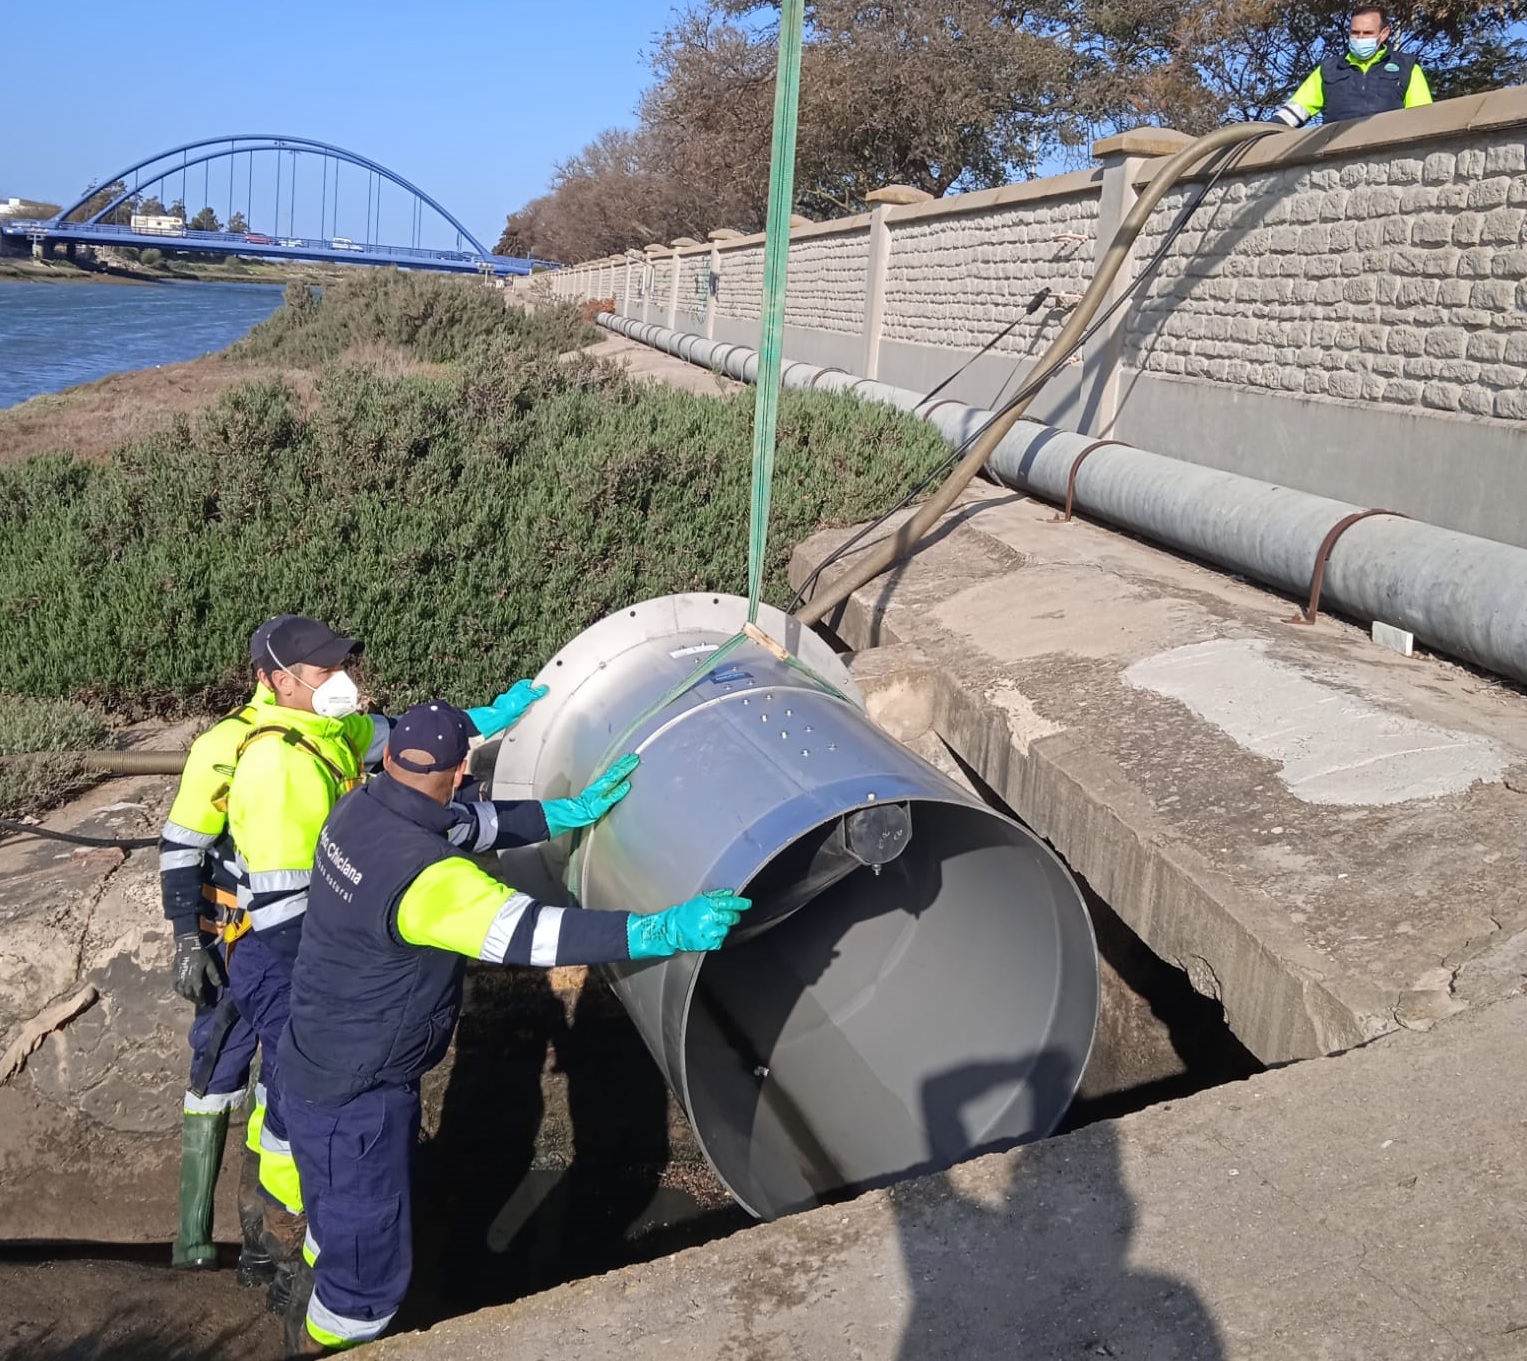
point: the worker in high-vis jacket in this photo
(198, 884)
(1367, 77)
(311, 746)
(394, 912)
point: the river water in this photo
(54, 335)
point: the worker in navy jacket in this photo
(394, 911)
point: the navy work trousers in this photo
(261, 981)
(354, 1161)
(230, 1071)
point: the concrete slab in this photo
(1311, 1212)
(1328, 837)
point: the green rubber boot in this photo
(201, 1155)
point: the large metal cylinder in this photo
(917, 979)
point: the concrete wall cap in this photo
(1141, 142)
(723, 234)
(684, 241)
(897, 193)
(655, 248)
(1078, 182)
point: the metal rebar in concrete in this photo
(917, 978)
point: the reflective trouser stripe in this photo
(309, 1247)
(256, 1120)
(335, 1330)
(278, 1171)
(214, 1103)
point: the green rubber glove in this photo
(699, 924)
(585, 809)
(507, 709)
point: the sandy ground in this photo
(94, 418)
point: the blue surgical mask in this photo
(1363, 48)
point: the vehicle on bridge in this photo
(344, 243)
(259, 239)
(158, 224)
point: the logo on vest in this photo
(337, 858)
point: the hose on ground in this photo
(126, 843)
(893, 548)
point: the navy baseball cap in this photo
(259, 640)
(292, 639)
(435, 727)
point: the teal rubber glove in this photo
(567, 815)
(507, 709)
(699, 924)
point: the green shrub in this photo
(150, 256)
(465, 525)
(38, 738)
(438, 319)
(29, 725)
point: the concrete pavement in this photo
(1368, 1207)
(1328, 837)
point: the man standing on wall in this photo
(1368, 77)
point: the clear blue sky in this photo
(473, 101)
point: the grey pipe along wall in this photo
(916, 979)
(1459, 594)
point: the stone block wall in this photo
(827, 282)
(1345, 314)
(1400, 280)
(954, 282)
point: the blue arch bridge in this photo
(255, 179)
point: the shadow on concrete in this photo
(1027, 1255)
(535, 1176)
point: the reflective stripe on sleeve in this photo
(180, 860)
(487, 825)
(274, 914)
(184, 836)
(543, 943)
(214, 1103)
(338, 1330)
(274, 881)
(496, 943)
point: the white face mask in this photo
(336, 697)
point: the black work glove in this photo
(198, 971)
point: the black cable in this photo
(131, 843)
(1030, 388)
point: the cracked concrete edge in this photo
(1278, 996)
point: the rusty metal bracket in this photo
(1311, 612)
(1076, 465)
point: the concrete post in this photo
(1123, 156)
(875, 271)
(673, 290)
(625, 302)
(712, 288)
(713, 291)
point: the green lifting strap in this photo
(787, 90)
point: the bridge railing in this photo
(237, 242)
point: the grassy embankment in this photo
(462, 498)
